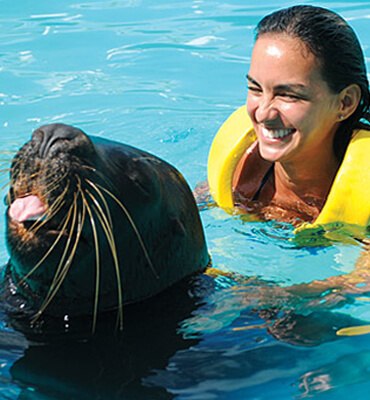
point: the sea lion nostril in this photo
(52, 133)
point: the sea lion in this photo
(93, 224)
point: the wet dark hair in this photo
(335, 45)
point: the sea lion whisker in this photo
(44, 218)
(5, 164)
(53, 210)
(57, 204)
(54, 184)
(102, 198)
(8, 197)
(106, 179)
(18, 167)
(35, 175)
(134, 227)
(103, 220)
(97, 262)
(4, 186)
(110, 238)
(48, 252)
(5, 172)
(61, 196)
(107, 226)
(5, 160)
(72, 211)
(5, 183)
(14, 163)
(9, 152)
(49, 216)
(58, 276)
(36, 226)
(89, 167)
(96, 171)
(66, 267)
(18, 160)
(5, 179)
(61, 265)
(50, 213)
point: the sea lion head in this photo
(44, 218)
(45, 175)
(93, 224)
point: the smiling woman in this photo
(307, 92)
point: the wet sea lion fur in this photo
(93, 224)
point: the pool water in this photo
(163, 75)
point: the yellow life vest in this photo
(348, 200)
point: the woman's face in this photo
(293, 111)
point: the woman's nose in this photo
(266, 110)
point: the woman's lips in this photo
(276, 133)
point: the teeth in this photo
(276, 133)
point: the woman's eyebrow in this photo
(295, 87)
(287, 87)
(251, 80)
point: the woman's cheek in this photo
(252, 106)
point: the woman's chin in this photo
(276, 150)
(273, 155)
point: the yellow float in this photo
(348, 201)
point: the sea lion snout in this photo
(56, 137)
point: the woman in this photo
(307, 93)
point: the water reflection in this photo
(111, 364)
(211, 336)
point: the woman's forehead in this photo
(281, 57)
(277, 42)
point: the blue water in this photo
(162, 75)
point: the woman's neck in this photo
(307, 181)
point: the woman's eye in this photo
(254, 89)
(290, 96)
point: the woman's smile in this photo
(274, 134)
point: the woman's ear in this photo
(350, 97)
